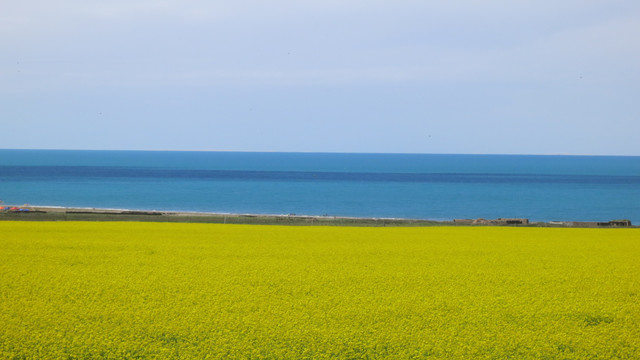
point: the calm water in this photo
(441, 187)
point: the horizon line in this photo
(316, 152)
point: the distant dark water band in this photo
(39, 173)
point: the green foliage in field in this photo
(143, 290)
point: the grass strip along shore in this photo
(56, 213)
(97, 214)
(161, 290)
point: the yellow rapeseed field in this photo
(151, 290)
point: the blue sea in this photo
(420, 186)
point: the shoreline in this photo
(205, 213)
(63, 213)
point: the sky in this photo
(460, 76)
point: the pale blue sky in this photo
(492, 76)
